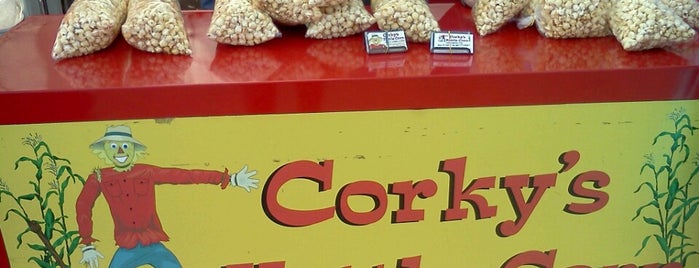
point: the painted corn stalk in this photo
(52, 176)
(672, 203)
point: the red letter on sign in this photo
(407, 191)
(600, 179)
(241, 265)
(367, 188)
(523, 209)
(409, 262)
(456, 170)
(536, 258)
(320, 173)
(276, 264)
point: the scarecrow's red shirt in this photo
(131, 199)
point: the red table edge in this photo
(376, 94)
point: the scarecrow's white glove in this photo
(91, 257)
(244, 179)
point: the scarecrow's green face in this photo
(121, 153)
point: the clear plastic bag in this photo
(646, 24)
(10, 14)
(327, 3)
(237, 22)
(468, 3)
(412, 16)
(688, 10)
(342, 20)
(573, 18)
(87, 27)
(156, 26)
(527, 17)
(490, 15)
(290, 12)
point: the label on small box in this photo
(451, 43)
(385, 42)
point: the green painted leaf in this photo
(691, 210)
(60, 225)
(663, 168)
(40, 145)
(685, 207)
(46, 199)
(684, 158)
(67, 235)
(61, 200)
(70, 234)
(672, 192)
(37, 247)
(694, 173)
(664, 133)
(39, 171)
(41, 202)
(40, 262)
(73, 246)
(58, 241)
(46, 155)
(668, 159)
(20, 235)
(674, 146)
(61, 159)
(36, 186)
(686, 245)
(60, 171)
(672, 252)
(675, 258)
(639, 210)
(680, 119)
(50, 219)
(647, 165)
(80, 178)
(643, 245)
(26, 159)
(652, 221)
(27, 197)
(677, 211)
(6, 193)
(64, 169)
(686, 256)
(64, 185)
(675, 224)
(650, 186)
(662, 242)
(15, 211)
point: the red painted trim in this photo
(4, 260)
(512, 89)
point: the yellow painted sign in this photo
(585, 185)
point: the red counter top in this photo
(293, 74)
